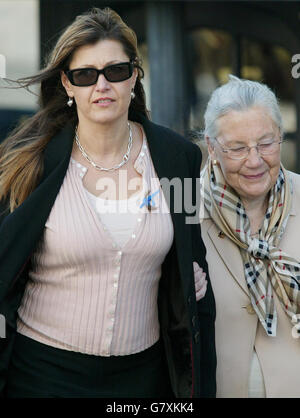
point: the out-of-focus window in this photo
(210, 61)
(270, 64)
(212, 54)
(20, 46)
(143, 50)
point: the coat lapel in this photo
(230, 255)
(164, 153)
(162, 149)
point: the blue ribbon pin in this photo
(148, 200)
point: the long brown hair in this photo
(21, 162)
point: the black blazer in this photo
(187, 326)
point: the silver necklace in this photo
(97, 166)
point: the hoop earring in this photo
(215, 162)
(132, 94)
(70, 101)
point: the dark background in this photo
(190, 47)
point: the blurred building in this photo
(20, 45)
(188, 49)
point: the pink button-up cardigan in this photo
(85, 292)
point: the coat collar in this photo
(161, 144)
(229, 253)
(165, 148)
(58, 150)
(294, 206)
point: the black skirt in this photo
(40, 371)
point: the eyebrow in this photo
(94, 66)
(237, 142)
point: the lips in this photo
(103, 100)
(253, 176)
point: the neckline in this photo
(115, 201)
(102, 228)
(140, 155)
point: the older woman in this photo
(250, 225)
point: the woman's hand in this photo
(200, 281)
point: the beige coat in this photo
(237, 327)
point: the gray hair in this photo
(239, 94)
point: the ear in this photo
(67, 85)
(210, 148)
(134, 77)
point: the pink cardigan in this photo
(85, 292)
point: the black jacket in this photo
(187, 326)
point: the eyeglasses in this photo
(263, 148)
(83, 77)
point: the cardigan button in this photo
(194, 320)
(197, 337)
(189, 300)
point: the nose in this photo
(102, 84)
(254, 158)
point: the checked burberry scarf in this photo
(266, 267)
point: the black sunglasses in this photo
(114, 73)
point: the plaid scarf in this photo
(266, 267)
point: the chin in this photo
(107, 117)
(256, 194)
(257, 189)
(103, 119)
